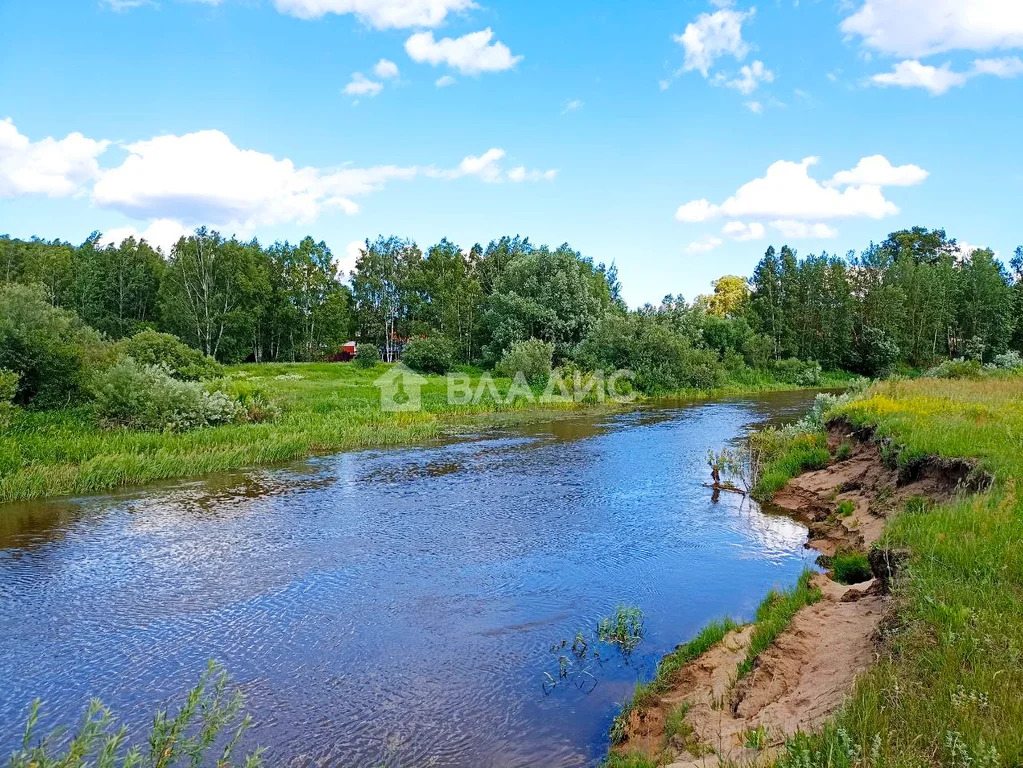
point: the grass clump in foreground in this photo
(624, 629)
(946, 688)
(205, 730)
(850, 567)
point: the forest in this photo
(906, 303)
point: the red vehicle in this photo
(345, 354)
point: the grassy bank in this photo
(946, 688)
(326, 407)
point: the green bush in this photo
(955, 369)
(795, 371)
(147, 397)
(54, 353)
(367, 355)
(878, 352)
(181, 361)
(850, 567)
(532, 358)
(8, 389)
(432, 354)
(1010, 361)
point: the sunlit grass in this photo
(327, 407)
(946, 689)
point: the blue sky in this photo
(603, 124)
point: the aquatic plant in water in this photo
(624, 628)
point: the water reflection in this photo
(396, 607)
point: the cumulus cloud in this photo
(712, 36)
(878, 171)
(749, 77)
(787, 191)
(162, 234)
(445, 81)
(346, 263)
(755, 107)
(741, 231)
(912, 74)
(915, 28)
(470, 54)
(382, 14)
(705, 244)
(385, 69)
(51, 167)
(802, 230)
(203, 177)
(360, 85)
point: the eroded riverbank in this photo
(735, 704)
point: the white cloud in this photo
(915, 28)
(749, 77)
(520, 174)
(913, 74)
(938, 80)
(801, 230)
(740, 231)
(382, 14)
(470, 54)
(878, 171)
(755, 107)
(705, 244)
(360, 85)
(51, 167)
(711, 36)
(203, 177)
(1004, 68)
(572, 106)
(787, 192)
(162, 234)
(445, 81)
(346, 263)
(385, 69)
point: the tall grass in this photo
(946, 690)
(205, 730)
(327, 407)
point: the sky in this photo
(675, 139)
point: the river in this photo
(399, 607)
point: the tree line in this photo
(910, 300)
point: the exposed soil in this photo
(805, 675)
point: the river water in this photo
(399, 607)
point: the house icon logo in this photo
(400, 389)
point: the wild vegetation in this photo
(206, 729)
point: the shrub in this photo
(795, 371)
(181, 361)
(532, 358)
(147, 397)
(846, 507)
(1010, 361)
(955, 369)
(432, 354)
(258, 404)
(850, 567)
(52, 350)
(8, 389)
(367, 355)
(878, 352)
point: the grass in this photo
(845, 507)
(946, 688)
(328, 407)
(796, 454)
(624, 629)
(774, 614)
(850, 567)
